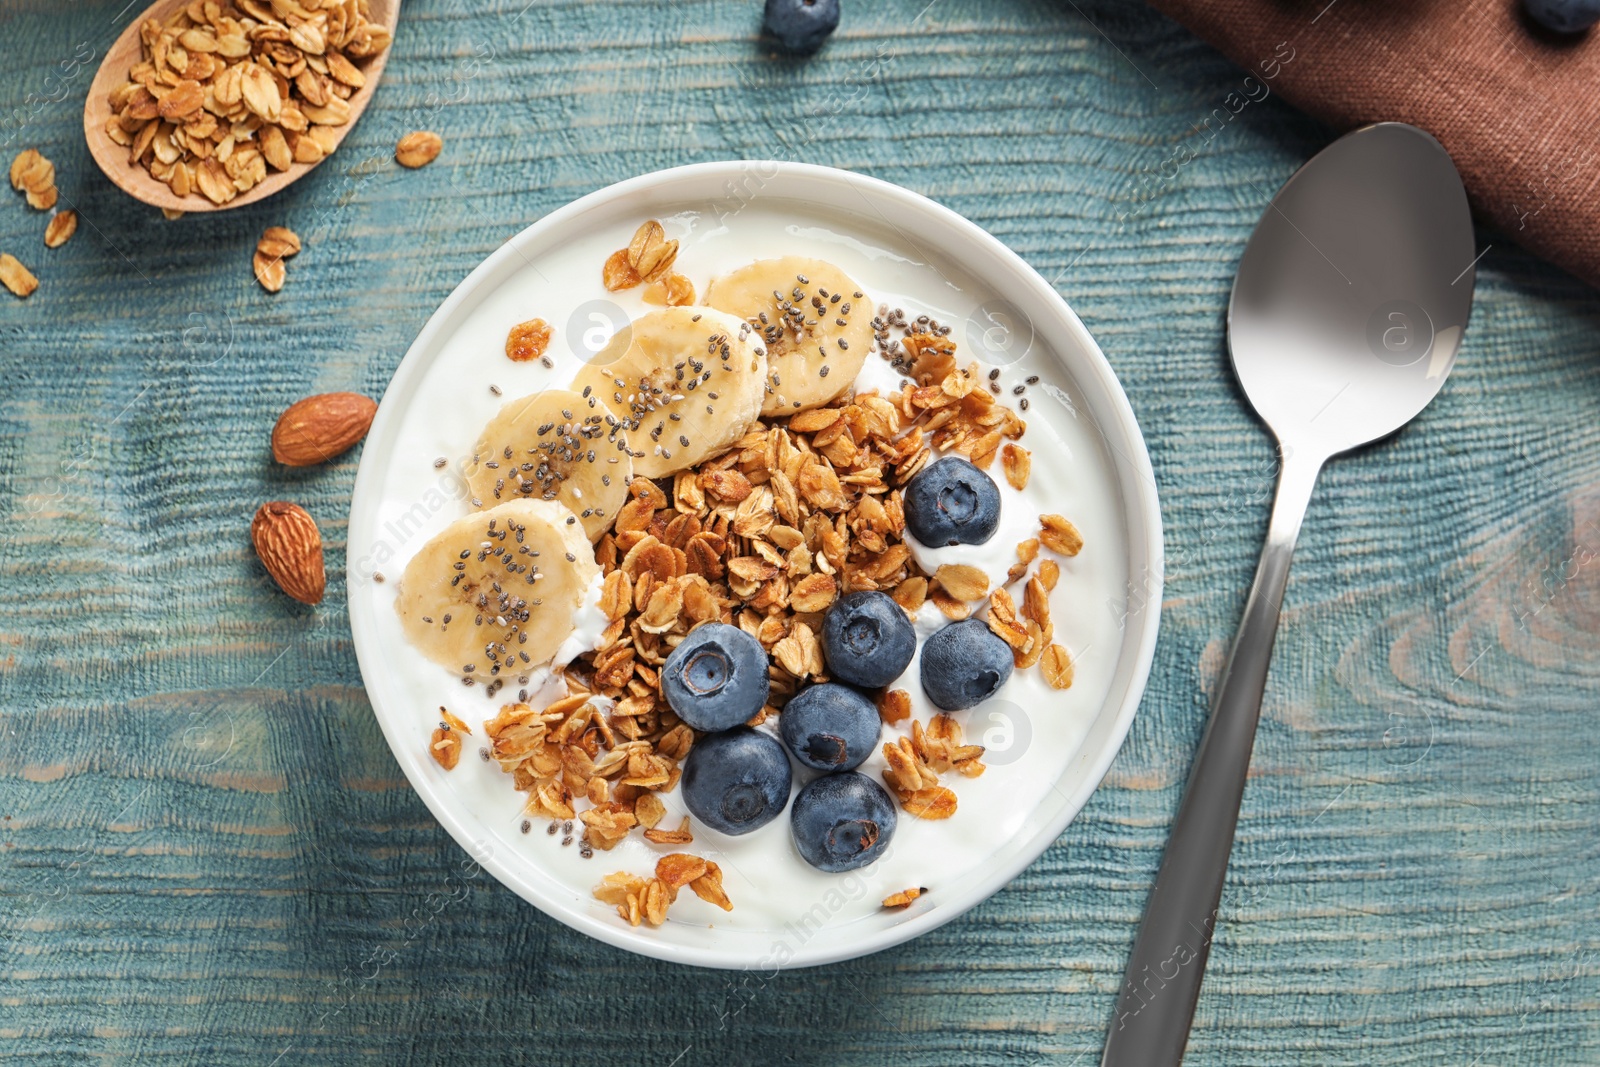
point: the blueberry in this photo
(736, 781)
(830, 727)
(867, 639)
(802, 25)
(716, 678)
(842, 821)
(1564, 16)
(964, 664)
(951, 502)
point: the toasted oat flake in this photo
(268, 271)
(1049, 574)
(1017, 462)
(904, 898)
(418, 149)
(1057, 667)
(445, 746)
(1059, 535)
(951, 607)
(894, 706)
(708, 887)
(814, 592)
(31, 171)
(618, 274)
(674, 290)
(528, 340)
(649, 253)
(15, 276)
(934, 802)
(678, 869)
(962, 581)
(278, 242)
(911, 593)
(680, 836)
(649, 810)
(61, 227)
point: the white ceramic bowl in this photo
(901, 226)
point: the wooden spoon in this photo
(138, 182)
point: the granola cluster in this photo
(648, 261)
(647, 899)
(35, 177)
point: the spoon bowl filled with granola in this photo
(754, 564)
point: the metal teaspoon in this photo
(1346, 315)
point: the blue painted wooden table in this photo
(208, 856)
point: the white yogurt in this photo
(878, 373)
(1032, 731)
(588, 623)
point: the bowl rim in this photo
(1133, 476)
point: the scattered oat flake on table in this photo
(59, 230)
(903, 898)
(269, 272)
(22, 165)
(33, 174)
(15, 276)
(418, 149)
(279, 242)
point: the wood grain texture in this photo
(208, 856)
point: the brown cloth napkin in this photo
(1518, 108)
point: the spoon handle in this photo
(1156, 1004)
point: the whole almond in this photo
(318, 428)
(290, 547)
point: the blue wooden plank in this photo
(208, 856)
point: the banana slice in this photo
(686, 382)
(555, 445)
(816, 323)
(494, 595)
